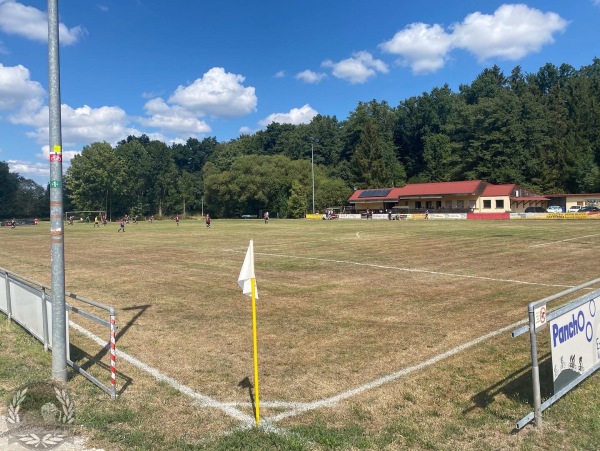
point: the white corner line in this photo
(203, 400)
(331, 401)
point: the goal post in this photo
(83, 214)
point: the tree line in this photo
(21, 197)
(539, 130)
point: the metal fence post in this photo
(113, 352)
(45, 319)
(8, 302)
(535, 370)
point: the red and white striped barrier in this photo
(113, 356)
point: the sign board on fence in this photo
(540, 316)
(575, 343)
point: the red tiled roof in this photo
(392, 196)
(441, 188)
(499, 190)
(470, 187)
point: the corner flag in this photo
(247, 272)
(247, 282)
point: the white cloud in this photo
(512, 32)
(31, 23)
(247, 130)
(217, 93)
(28, 169)
(422, 47)
(3, 49)
(280, 74)
(308, 76)
(18, 91)
(357, 69)
(80, 125)
(296, 116)
(172, 118)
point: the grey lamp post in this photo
(312, 170)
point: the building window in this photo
(448, 204)
(460, 203)
(438, 204)
(500, 204)
(487, 203)
(418, 204)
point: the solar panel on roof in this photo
(375, 193)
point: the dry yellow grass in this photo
(341, 304)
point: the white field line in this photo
(563, 241)
(396, 268)
(331, 401)
(203, 400)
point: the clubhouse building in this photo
(475, 197)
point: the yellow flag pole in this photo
(255, 346)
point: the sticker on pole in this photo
(540, 316)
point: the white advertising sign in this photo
(575, 343)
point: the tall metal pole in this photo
(312, 170)
(57, 250)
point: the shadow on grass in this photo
(86, 361)
(517, 386)
(245, 383)
(78, 354)
(142, 309)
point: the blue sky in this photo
(178, 69)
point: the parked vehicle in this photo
(535, 210)
(586, 209)
(575, 208)
(554, 209)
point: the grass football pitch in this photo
(369, 332)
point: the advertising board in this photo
(575, 343)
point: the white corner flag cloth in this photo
(247, 272)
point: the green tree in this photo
(374, 162)
(9, 185)
(94, 179)
(296, 205)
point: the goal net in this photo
(84, 215)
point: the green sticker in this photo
(55, 183)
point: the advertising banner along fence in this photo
(575, 343)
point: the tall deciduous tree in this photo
(95, 179)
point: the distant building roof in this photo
(499, 190)
(438, 189)
(470, 187)
(575, 195)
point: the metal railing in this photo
(28, 303)
(539, 318)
